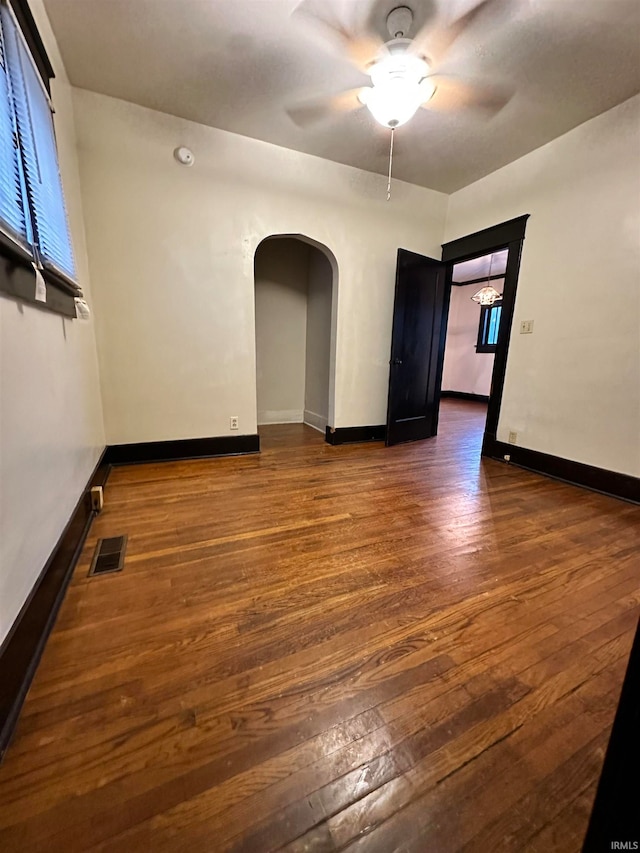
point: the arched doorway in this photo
(295, 316)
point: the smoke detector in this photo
(184, 156)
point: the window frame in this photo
(481, 345)
(17, 273)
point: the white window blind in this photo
(46, 225)
(12, 213)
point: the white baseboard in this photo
(315, 420)
(288, 416)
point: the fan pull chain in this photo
(390, 165)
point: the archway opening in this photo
(295, 316)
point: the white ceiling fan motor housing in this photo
(397, 62)
(399, 75)
(399, 22)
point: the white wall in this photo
(172, 248)
(282, 272)
(572, 387)
(464, 368)
(318, 357)
(51, 432)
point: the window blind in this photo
(34, 123)
(494, 324)
(12, 212)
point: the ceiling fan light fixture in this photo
(394, 103)
(399, 84)
(396, 61)
(427, 88)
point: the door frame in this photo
(507, 235)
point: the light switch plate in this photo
(526, 327)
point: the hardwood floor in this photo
(324, 648)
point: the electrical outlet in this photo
(526, 327)
(513, 438)
(233, 422)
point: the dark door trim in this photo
(506, 235)
(488, 240)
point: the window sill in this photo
(18, 280)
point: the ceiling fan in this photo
(403, 71)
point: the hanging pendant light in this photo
(487, 295)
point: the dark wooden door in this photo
(417, 347)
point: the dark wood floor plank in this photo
(542, 805)
(310, 648)
(501, 775)
(564, 831)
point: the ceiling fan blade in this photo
(434, 42)
(452, 94)
(353, 40)
(318, 110)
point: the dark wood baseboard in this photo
(615, 810)
(465, 395)
(611, 483)
(184, 448)
(22, 648)
(351, 435)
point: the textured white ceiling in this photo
(237, 65)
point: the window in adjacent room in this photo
(34, 228)
(489, 326)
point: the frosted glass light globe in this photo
(394, 103)
(399, 88)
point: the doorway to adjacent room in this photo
(425, 290)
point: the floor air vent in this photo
(108, 556)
